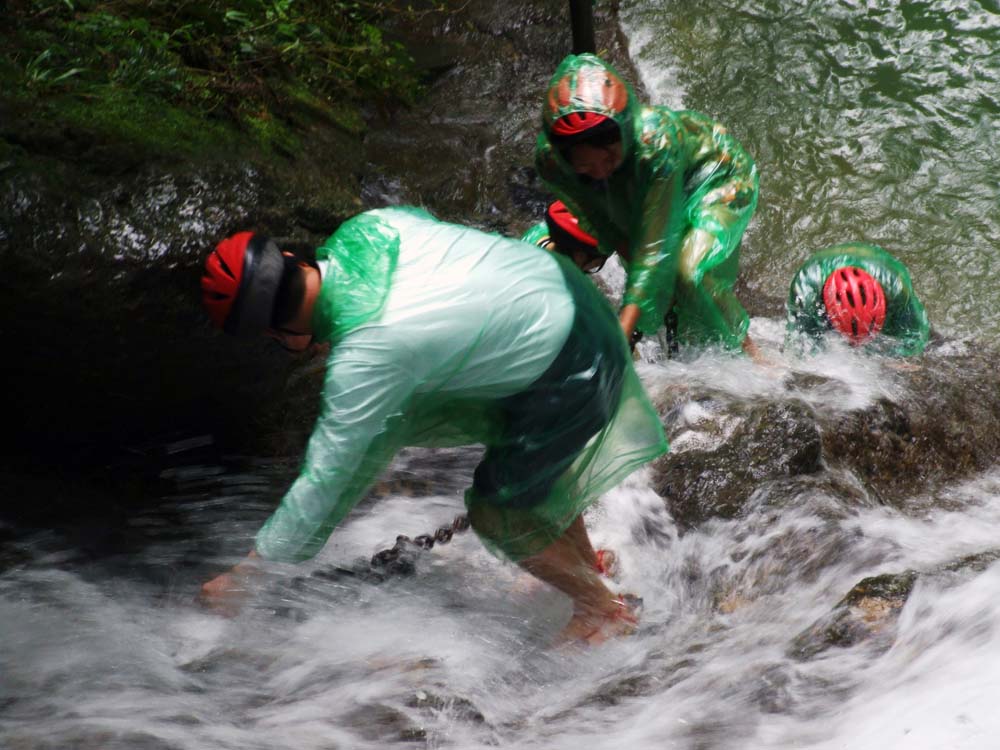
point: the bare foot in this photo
(594, 629)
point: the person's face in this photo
(296, 337)
(596, 162)
(588, 262)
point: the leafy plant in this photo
(234, 58)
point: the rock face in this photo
(467, 150)
(102, 242)
(725, 446)
(759, 442)
(102, 294)
(948, 426)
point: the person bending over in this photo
(445, 335)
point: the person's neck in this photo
(303, 321)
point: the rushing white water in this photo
(114, 653)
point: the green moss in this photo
(121, 116)
(888, 586)
(184, 77)
(305, 104)
(272, 134)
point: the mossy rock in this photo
(867, 613)
(750, 445)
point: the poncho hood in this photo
(585, 83)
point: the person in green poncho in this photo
(445, 335)
(861, 292)
(561, 233)
(670, 191)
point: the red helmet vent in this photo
(577, 122)
(220, 284)
(855, 303)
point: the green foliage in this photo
(231, 59)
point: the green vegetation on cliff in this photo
(190, 74)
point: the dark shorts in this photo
(548, 424)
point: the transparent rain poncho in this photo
(675, 209)
(906, 328)
(536, 234)
(445, 335)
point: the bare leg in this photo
(753, 351)
(577, 535)
(568, 564)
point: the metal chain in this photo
(401, 558)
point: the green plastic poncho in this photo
(444, 335)
(906, 328)
(675, 210)
(537, 235)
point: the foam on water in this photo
(460, 654)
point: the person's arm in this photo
(653, 255)
(367, 386)
(629, 317)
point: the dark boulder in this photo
(739, 446)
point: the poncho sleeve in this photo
(653, 262)
(699, 189)
(366, 388)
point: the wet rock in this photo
(867, 613)
(793, 556)
(616, 691)
(723, 450)
(774, 692)
(976, 563)
(89, 739)
(942, 423)
(467, 149)
(102, 292)
(945, 426)
(103, 241)
(381, 723)
(457, 708)
(870, 610)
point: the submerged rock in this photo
(945, 426)
(735, 446)
(867, 613)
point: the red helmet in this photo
(577, 122)
(570, 239)
(241, 282)
(855, 303)
(565, 229)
